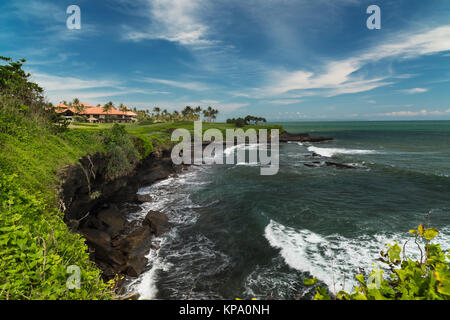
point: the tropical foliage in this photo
(426, 278)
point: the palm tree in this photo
(214, 114)
(78, 106)
(107, 108)
(123, 108)
(210, 114)
(207, 114)
(187, 113)
(157, 111)
(196, 114)
(176, 116)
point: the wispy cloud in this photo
(196, 86)
(57, 83)
(52, 17)
(339, 77)
(285, 102)
(38, 10)
(173, 20)
(414, 90)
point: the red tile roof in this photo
(90, 110)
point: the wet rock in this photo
(316, 164)
(340, 165)
(144, 198)
(138, 240)
(158, 222)
(136, 265)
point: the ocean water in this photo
(239, 234)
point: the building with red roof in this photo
(96, 114)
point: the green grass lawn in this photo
(159, 134)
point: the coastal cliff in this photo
(97, 208)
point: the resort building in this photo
(96, 114)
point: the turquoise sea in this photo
(239, 234)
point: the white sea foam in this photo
(335, 259)
(168, 196)
(253, 146)
(145, 285)
(329, 152)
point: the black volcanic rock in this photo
(95, 207)
(158, 222)
(301, 137)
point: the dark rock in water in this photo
(135, 265)
(316, 164)
(144, 198)
(313, 155)
(141, 237)
(158, 222)
(136, 245)
(340, 165)
(301, 137)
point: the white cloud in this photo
(56, 83)
(423, 112)
(415, 90)
(338, 77)
(38, 10)
(196, 86)
(285, 102)
(210, 101)
(175, 21)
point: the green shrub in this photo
(36, 248)
(407, 279)
(143, 145)
(121, 151)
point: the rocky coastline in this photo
(98, 208)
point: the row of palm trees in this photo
(187, 114)
(157, 115)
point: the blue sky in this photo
(281, 59)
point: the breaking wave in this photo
(335, 259)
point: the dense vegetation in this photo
(427, 278)
(241, 122)
(36, 247)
